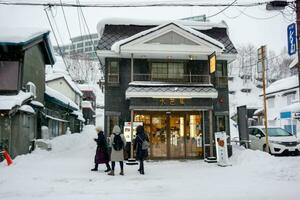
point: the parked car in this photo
(280, 140)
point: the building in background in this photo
(81, 47)
(88, 103)
(23, 56)
(158, 74)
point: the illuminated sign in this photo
(212, 62)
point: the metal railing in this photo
(174, 78)
(113, 78)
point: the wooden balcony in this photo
(173, 78)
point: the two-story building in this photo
(158, 74)
(64, 84)
(23, 56)
(88, 103)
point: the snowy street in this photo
(64, 173)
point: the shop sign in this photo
(171, 102)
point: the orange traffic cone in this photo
(7, 158)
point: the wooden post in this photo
(131, 67)
(131, 133)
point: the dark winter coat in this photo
(137, 145)
(102, 155)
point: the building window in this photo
(113, 72)
(89, 43)
(113, 120)
(167, 70)
(271, 102)
(221, 70)
(79, 45)
(221, 123)
(290, 98)
(9, 75)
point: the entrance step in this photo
(211, 160)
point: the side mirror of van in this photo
(258, 136)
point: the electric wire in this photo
(59, 48)
(222, 10)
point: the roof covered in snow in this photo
(27, 108)
(87, 104)
(114, 30)
(283, 85)
(116, 46)
(24, 37)
(61, 99)
(67, 78)
(7, 102)
(86, 87)
(295, 107)
(79, 115)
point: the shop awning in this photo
(167, 91)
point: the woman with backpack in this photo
(117, 141)
(102, 155)
(141, 144)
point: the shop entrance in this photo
(173, 135)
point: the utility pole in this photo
(262, 58)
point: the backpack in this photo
(118, 143)
(145, 144)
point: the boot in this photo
(122, 173)
(95, 168)
(111, 173)
(107, 170)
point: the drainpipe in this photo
(131, 67)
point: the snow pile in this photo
(64, 173)
(295, 107)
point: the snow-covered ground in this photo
(64, 173)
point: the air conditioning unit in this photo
(31, 88)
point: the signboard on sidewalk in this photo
(127, 130)
(221, 148)
(291, 34)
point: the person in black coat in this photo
(141, 154)
(102, 155)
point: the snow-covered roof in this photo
(37, 103)
(54, 76)
(294, 62)
(87, 104)
(11, 35)
(79, 115)
(116, 46)
(86, 87)
(283, 84)
(295, 107)
(27, 108)
(144, 22)
(7, 102)
(62, 98)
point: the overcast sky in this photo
(247, 27)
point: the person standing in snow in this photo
(102, 155)
(141, 153)
(117, 141)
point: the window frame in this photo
(19, 77)
(158, 75)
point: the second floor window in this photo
(167, 70)
(290, 98)
(113, 72)
(221, 69)
(9, 75)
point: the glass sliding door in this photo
(176, 132)
(159, 136)
(194, 134)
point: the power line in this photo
(59, 48)
(134, 4)
(258, 18)
(222, 9)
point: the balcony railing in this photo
(173, 78)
